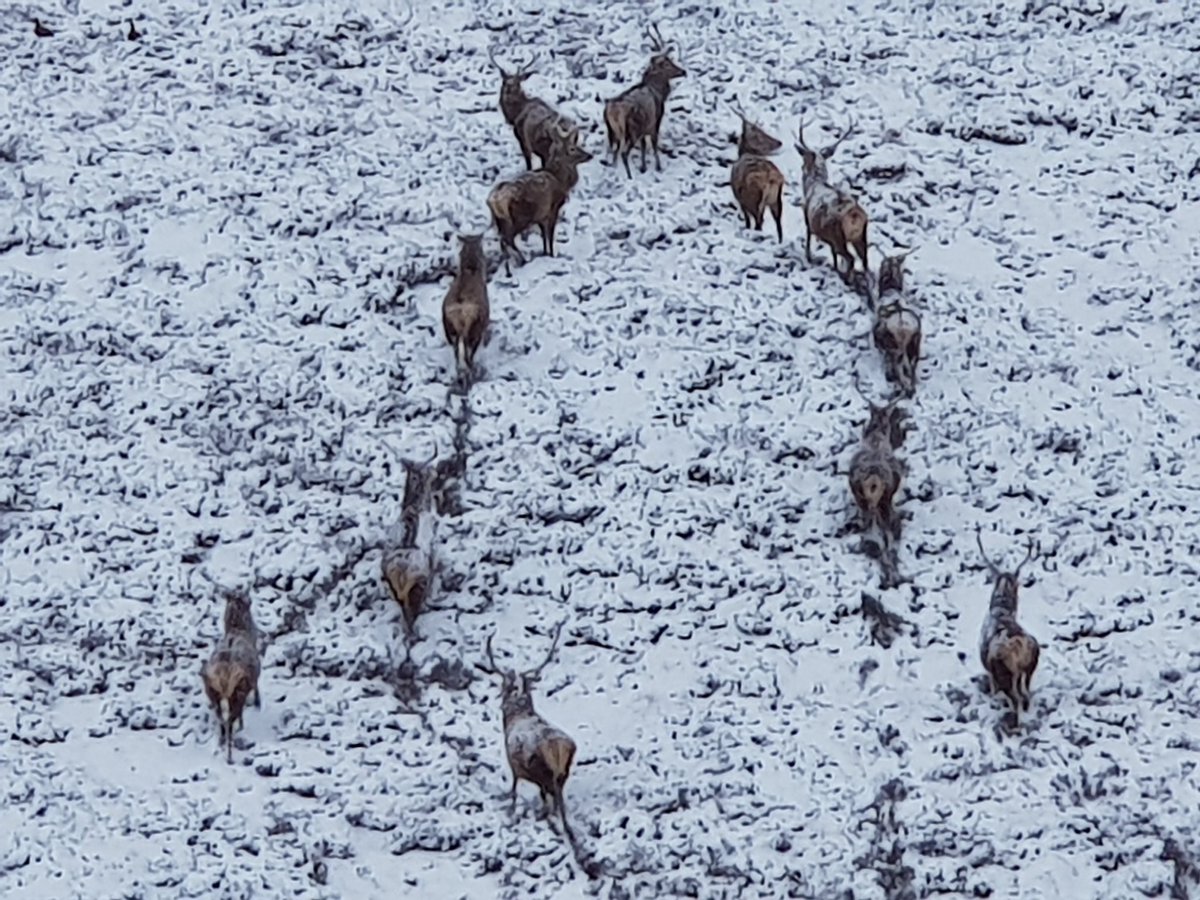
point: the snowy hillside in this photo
(225, 246)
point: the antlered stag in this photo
(465, 310)
(537, 751)
(231, 673)
(756, 181)
(831, 214)
(533, 120)
(537, 198)
(897, 329)
(1008, 652)
(635, 116)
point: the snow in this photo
(224, 249)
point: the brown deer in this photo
(831, 214)
(897, 329)
(408, 563)
(756, 181)
(537, 198)
(875, 472)
(537, 751)
(533, 120)
(1008, 652)
(231, 673)
(635, 116)
(465, 310)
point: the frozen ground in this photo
(225, 247)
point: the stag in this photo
(1008, 652)
(231, 673)
(635, 116)
(408, 563)
(897, 328)
(537, 197)
(756, 181)
(533, 120)
(875, 472)
(465, 310)
(537, 751)
(831, 214)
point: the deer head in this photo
(516, 689)
(754, 139)
(661, 63)
(814, 160)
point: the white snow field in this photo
(223, 252)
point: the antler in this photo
(656, 39)
(527, 69)
(736, 106)
(991, 565)
(534, 673)
(1030, 554)
(494, 669)
(800, 144)
(850, 129)
(492, 57)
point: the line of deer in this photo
(230, 675)
(1008, 652)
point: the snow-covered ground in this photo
(225, 247)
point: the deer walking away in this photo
(1008, 652)
(231, 674)
(831, 214)
(465, 310)
(875, 472)
(537, 751)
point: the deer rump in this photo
(524, 201)
(464, 320)
(1010, 657)
(836, 214)
(540, 753)
(632, 116)
(757, 184)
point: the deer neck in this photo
(657, 84)
(516, 706)
(564, 172)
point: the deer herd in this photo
(537, 751)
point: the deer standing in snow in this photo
(231, 674)
(465, 310)
(897, 328)
(831, 214)
(756, 181)
(537, 198)
(1008, 652)
(533, 120)
(875, 472)
(408, 564)
(537, 751)
(635, 116)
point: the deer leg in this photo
(654, 141)
(644, 141)
(625, 159)
(777, 212)
(562, 812)
(808, 237)
(547, 241)
(512, 796)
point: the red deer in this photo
(465, 310)
(533, 120)
(831, 214)
(1008, 652)
(757, 182)
(537, 198)
(537, 751)
(231, 673)
(897, 328)
(408, 564)
(635, 116)
(875, 472)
